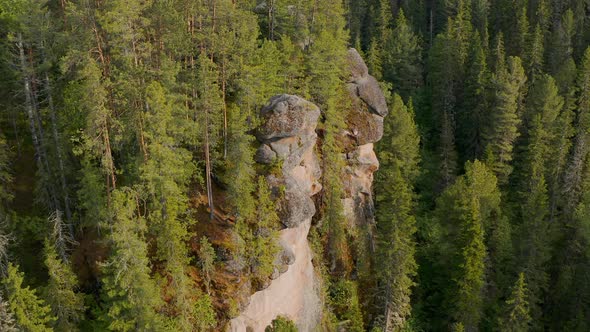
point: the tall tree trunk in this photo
(60, 155)
(35, 123)
(208, 167)
(223, 91)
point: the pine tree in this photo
(207, 258)
(31, 312)
(505, 118)
(396, 225)
(401, 58)
(211, 107)
(133, 297)
(66, 304)
(468, 208)
(474, 106)
(573, 177)
(516, 317)
(534, 56)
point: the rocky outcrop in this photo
(364, 127)
(288, 141)
(288, 138)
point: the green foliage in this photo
(5, 176)
(281, 324)
(60, 294)
(258, 244)
(121, 114)
(507, 84)
(345, 304)
(396, 224)
(468, 207)
(31, 312)
(401, 59)
(516, 317)
(132, 296)
(207, 257)
(471, 115)
(203, 311)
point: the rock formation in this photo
(365, 127)
(288, 138)
(288, 144)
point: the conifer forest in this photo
(295, 165)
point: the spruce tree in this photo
(534, 247)
(504, 119)
(30, 312)
(396, 224)
(67, 305)
(534, 56)
(516, 317)
(166, 174)
(207, 259)
(401, 58)
(573, 177)
(442, 82)
(467, 209)
(264, 245)
(6, 176)
(132, 296)
(474, 106)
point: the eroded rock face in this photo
(364, 86)
(288, 139)
(287, 136)
(365, 127)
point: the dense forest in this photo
(131, 199)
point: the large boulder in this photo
(363, 127)
(364, 86)
(288, 116)
(358, 68)
(288, 138)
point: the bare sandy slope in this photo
(293, 294)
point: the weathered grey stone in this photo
(370, 92)
(287, 257)
(364, 127)
(358, 68)
(288, 116)
(265, 155)
(296, 207)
